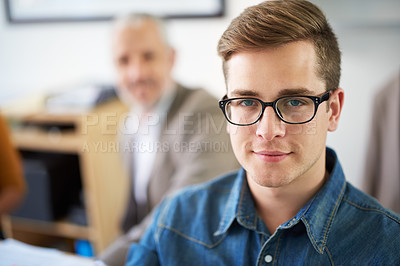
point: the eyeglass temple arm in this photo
(325, 97)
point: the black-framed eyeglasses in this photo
(245, 111)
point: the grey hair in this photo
(137, 19)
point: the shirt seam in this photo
(223, 223)
(192, 239)
(329, 255)
(320, 249)
(332, 214)
(224, 220)
(253, 227)
(372, 209)
(312, 237)
(276, 249)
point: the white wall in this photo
(369, 37)
(41, 57)
(45, 56)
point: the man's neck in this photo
(277, 205)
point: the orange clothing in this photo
(11, 174)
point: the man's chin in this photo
(126, 97)
(143, 96)
(144, 100)
(272, 180)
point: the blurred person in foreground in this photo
(290, 203)
(173, 136)
(12, 182)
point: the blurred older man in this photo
(175, 136)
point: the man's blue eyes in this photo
(248, 102)
(282, 103)
(294, 102)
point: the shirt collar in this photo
(232, 207)
(317, 215)
(240, 206)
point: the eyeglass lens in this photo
(295, 109)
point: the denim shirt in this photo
(217, 224)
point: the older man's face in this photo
(144, 62)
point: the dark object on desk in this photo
(80, 99)
(54, 185)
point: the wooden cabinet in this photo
(92, 137)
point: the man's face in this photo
(273, 153)
(143, 62)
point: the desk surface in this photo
(14, 252)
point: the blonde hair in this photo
(275, 23)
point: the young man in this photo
(173, 136)
(290, 203)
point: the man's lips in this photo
(272, 156)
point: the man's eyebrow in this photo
(284, 92)
(244, 92)
(295, 91)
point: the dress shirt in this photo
(146, 142)
(217, 224)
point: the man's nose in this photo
(270, 125)
(136, 69)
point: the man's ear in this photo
(336, 101)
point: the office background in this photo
(36, 58)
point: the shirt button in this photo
(268, 258)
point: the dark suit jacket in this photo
(194, 148)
